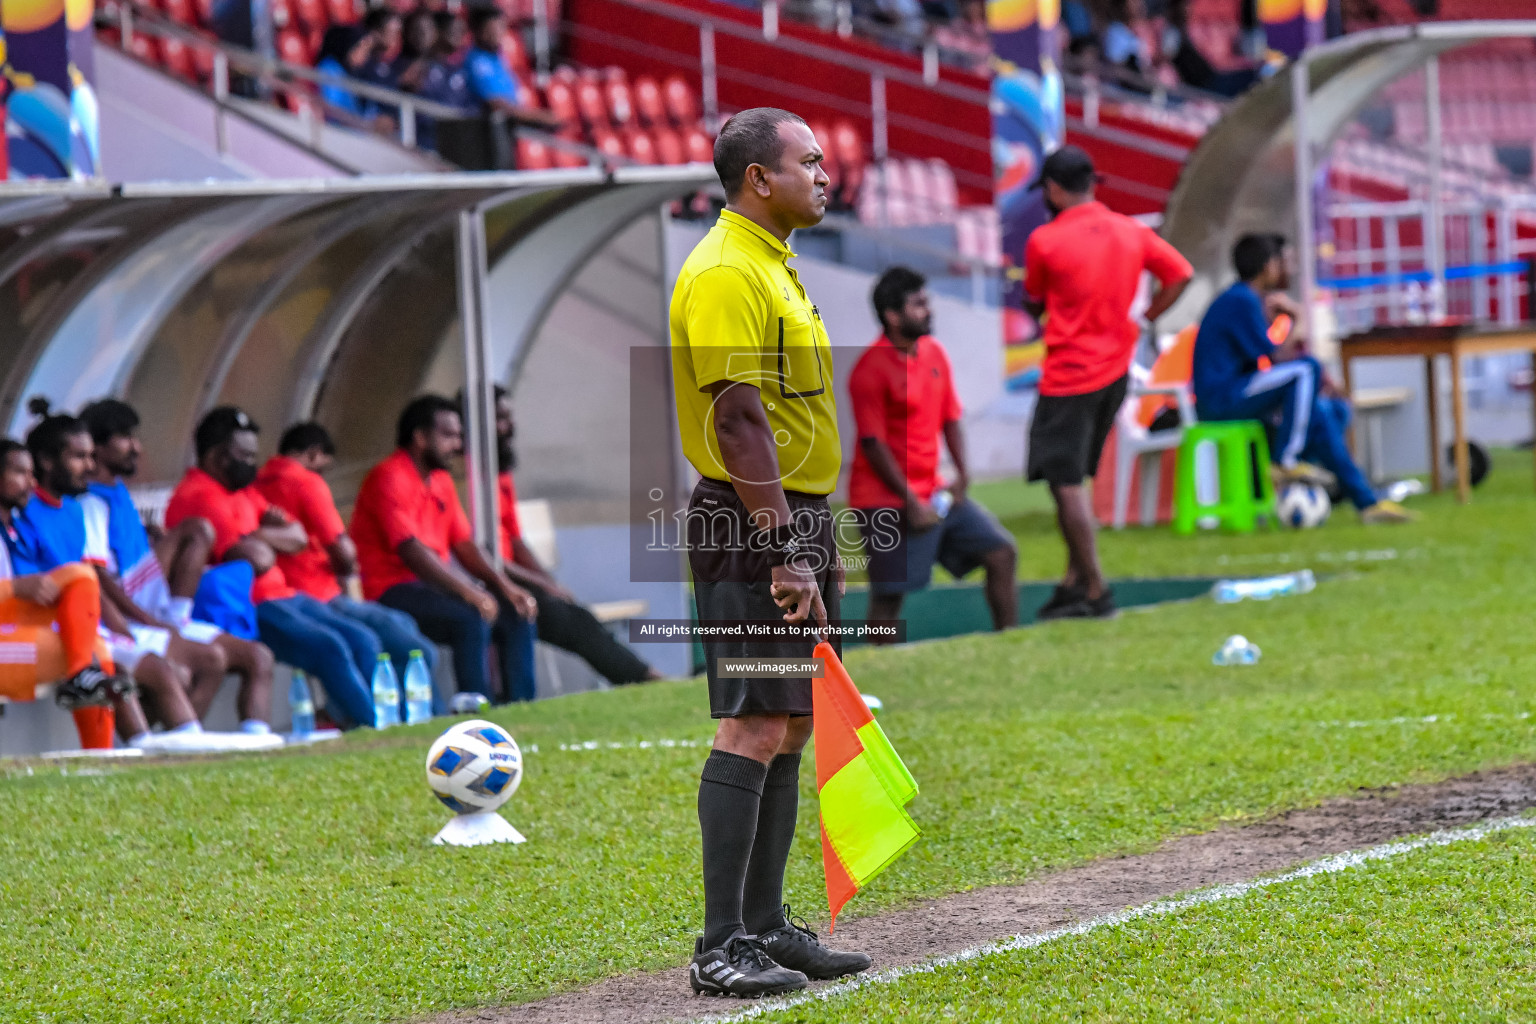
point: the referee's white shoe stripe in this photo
(1215, 894)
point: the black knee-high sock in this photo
(762, 903)
(730, 789)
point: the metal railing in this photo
(274, 78)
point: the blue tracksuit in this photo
(1230, 386)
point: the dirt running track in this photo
(954, 923)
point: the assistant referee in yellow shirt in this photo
(752, 374)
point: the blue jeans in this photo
(1309, 426)
(306, 634)
(445, 619)
(397, 634)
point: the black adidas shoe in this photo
(1103, 606)
(1065, 603)
(739, 968)
(797, 947)
(91, 687)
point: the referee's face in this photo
(798, 186)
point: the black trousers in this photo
(573, 628)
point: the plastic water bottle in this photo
(418, 690)
(1232, 591)
(301, 706)
(1238, 650)
(386, 694)
(942, 501)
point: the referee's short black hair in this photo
(107, 418)
(480, 14)
(893, 288)
(301, 437)
(749, 137)
(1252, 254)
(420, 415)
(219, 426)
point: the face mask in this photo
(241, 475)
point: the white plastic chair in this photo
(1136, 446)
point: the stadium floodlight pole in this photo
(479, 383)
(1434, 226)
(1306, 245)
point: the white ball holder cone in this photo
(479, 829)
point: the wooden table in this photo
(1454, 341)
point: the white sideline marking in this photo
(1216, 894)
(1371, 723)
(533, 748)
(1287, 557)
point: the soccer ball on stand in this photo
(1303, 505)
(474, 768)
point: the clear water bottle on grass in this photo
(301, 706)
(1238, 650)
(1232, 591)
(386, 694)
(418, 690)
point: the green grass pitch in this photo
(302, 887)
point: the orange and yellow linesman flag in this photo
(863, 786)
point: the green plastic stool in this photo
(1242, 460)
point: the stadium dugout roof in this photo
(1248, 174)
(336, 300)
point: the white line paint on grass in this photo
(590, 745)
(1376, 723)
(1216, 894)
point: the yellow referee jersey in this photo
(740, 313)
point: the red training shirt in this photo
(904, 400)
(1086, 265)
(234, 516)
(511, 529)
(304, 495)
(396, 504)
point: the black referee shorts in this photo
(730, 583)
(1068, 434)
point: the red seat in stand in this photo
(682, 106)
(341, 12)
(512, 53)
(669, 146)
(183, 12)
(312, 15)
(621, 106)
(699, 147)
(607, 142)
(293, 48)
(177, 58)
(561, 102)
(642, 148)
(647, 100)
(590, 105)
(533, 155)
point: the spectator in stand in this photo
(1240, 374)
(49, 533)
(562, 620)
(417, 554)
(153, 584)
(1122, 47)
(1190, 64)
(446, 81)
(326, 569)
(49, 621)
(1082, 271)
(968, 34)
(491, 83)
(300, 630)
(1077, 21)
(367, 54)
(416, 51)
(903, 401)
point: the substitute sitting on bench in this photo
(1239, 374)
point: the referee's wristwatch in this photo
(782, 545)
